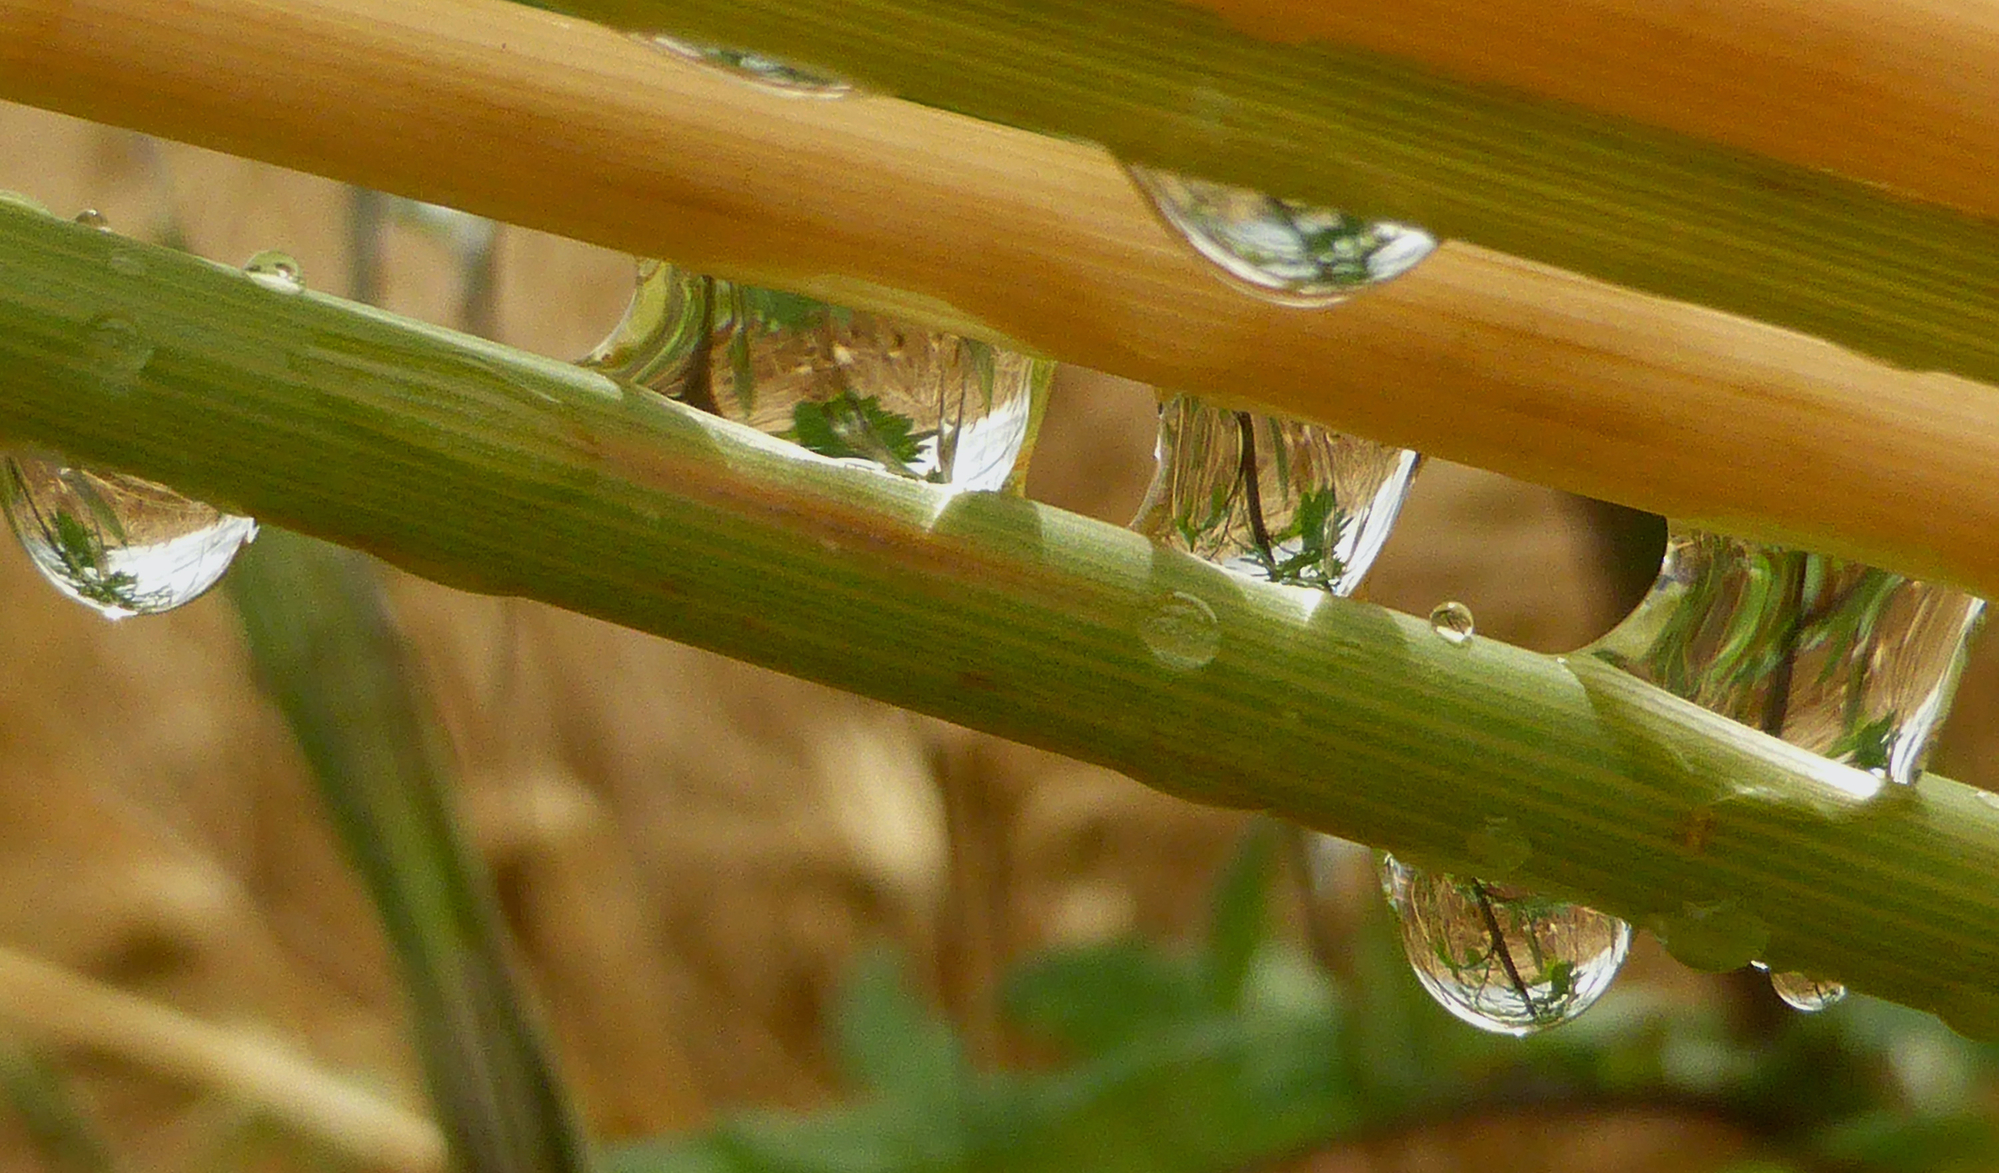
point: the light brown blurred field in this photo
(688, 849)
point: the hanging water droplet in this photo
(1453, 620)
(765, 73)
(1275, 499)
(274, 270)
(121, 545)
(1713, 936)
(116, 349)
(1289, 252)
(1839, 658)
(1501, 959)
(92, 218)
(1806, 994)
(1181, 632)
(847, 384)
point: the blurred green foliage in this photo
(1245, 1052)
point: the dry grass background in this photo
(689, 849)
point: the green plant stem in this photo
(515, 474)
(322, 640)
(1169, 85)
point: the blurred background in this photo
(750, 904)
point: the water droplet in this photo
(1453, 621)
(92, 218)
(116, 348)
(274, 270)
(128, 264)
(1839, 658)
(1285, 251)
(1182, 632)
(1501, 959)
(1315, 513)
(1714, 936)
(856, 386)
(1498, 848)
(121, 545)
(765, 73)
(1807, 994)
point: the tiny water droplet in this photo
(1501, 959)
(1275, 499)
(765, 73)
(1714, 936)
(1285, 251)
(1498, 848)
(128, 264)
(1181, 632)
(855, 386)
(116, 348)
(1453, 621)
(92, 218)
(1806, 994)
(116, 543)
(274, 270)
(1839, 658)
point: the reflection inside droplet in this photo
(274, 270)
(1453, 621)
(1295, 253)
(1499, 958)
(121, 545)
(847, 384)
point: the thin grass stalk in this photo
(505, 472)
(324, 644)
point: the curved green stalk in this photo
(510, 473)
(1169, 85)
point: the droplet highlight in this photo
(1854, 663)
(1274, 499)
(1497, 957)
(765, 73)
(1181, 632)
(1285, 251)
(118, 544)
(854, 386)
(1453, 621)
(1806, 994)
(275, 271)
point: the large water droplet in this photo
(1805, 993)
(274, 270)
(1181, 632)
(765, 73)
(1453, 620)
(122, 545)
(1501, 959)
(1289, 252)
(1271, 498)
(1839, 658)
(117, 350)
(844, 383)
